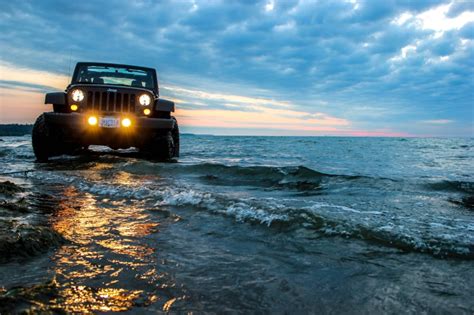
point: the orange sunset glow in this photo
(23, 103)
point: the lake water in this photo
(255, 224)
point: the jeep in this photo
(108, 104)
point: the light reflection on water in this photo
(125, 252)
(107, 264)
(82, 299)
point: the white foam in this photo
(184, 197)
(240, 210)
(319, 205)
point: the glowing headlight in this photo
(126, 122)
(144, 99)
(77, 95)
(92, 120)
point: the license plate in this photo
(109, 122)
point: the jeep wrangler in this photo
(108, 104)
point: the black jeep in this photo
(108, 104)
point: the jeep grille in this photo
(110, 101)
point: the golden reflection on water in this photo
(82, 299)
(168, 304)
(106, 266)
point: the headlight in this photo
(144, 99)
(77, 95)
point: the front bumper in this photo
(74, 127)
(78, 121)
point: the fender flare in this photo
(162, 105)
(58, 98)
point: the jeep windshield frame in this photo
(108, 74)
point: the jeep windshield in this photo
(114, 75)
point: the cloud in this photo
(21, 76)
(437, 121)
(438, 18)
(238, 99)
(220, 109)
(411, 60)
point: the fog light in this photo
(74, 107)
(92, 120)
(126, 122)
(147, 111)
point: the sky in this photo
(344, 68)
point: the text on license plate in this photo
(109, 122)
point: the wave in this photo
(271, 172)
(467, 202)
(300, 178)
(4, 152)
(20, 153)
(323, 218)
(453, 186)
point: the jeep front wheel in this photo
(159, 147)
(163, 146)
(48, 141)
(175, 135)
(41, 139)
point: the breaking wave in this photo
(329, 220)
(323, 218)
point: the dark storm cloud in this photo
(348, 54)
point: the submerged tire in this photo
(163, 146)
(48, 142)
(41, 139)
(175, 135)
(159, 147)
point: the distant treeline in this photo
(15, 130)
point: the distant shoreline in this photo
(9, 130)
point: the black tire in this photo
(160, 147)
(163, 146)
(48, 142)
(175, 135)
(41, 139)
